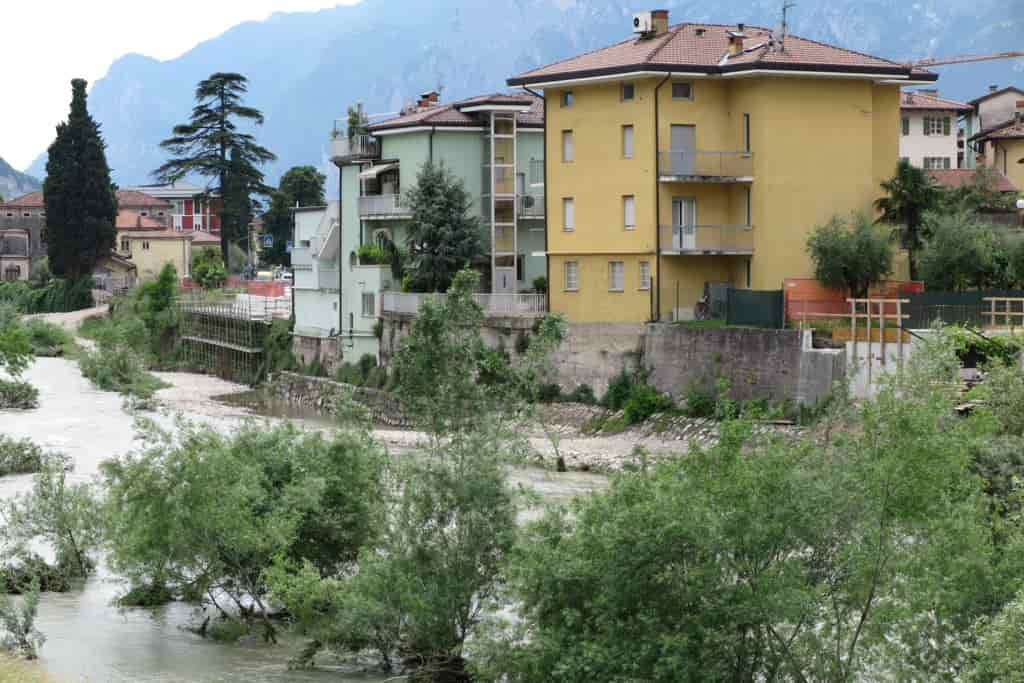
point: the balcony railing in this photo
(531, 205)
(360, 146)
(519, 305)
(329, 278)
(706, 166)
(383, 206)
(707, 239)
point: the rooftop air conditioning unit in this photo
(643, 23)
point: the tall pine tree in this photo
(81, 202)
(211, 145)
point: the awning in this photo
(375, 171)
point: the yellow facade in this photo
(149, 253)
(1007, 155)
(819, 146)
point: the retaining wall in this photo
(322, 395)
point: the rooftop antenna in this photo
(786, 6)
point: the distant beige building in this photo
(995, 109)
(148, 244)
(928, 129)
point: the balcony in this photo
(383, 206)
(531, 205)
(495, 305)
(711, 240)
(705, 166)
(359, 147)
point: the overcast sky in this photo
(46, 43)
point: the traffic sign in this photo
(268, 241)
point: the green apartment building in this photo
(494, 144)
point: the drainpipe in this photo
(656, 280)
(341, 252)
(430, 148)
(544, 178)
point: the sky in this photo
(46, 43)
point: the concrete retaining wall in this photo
(327, 349)
(322, 395)
(594, 353)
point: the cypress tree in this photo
(81, 202)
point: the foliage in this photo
(299, 186)
(356, 120)
(631, 393)
(40, 274)
(1003, 395)
(444, 233)
(583, 393)
(995, 348)
(238, 203)
(909, 195)
(119, 368)
(211, 145)
(996, 657)
(81, 203)
(15, 348)
(961, 253)
(204, 513)
(20, 635)
(17, 395)
(364, 373)
(978, 195)
(699, 403)
(828, 559)
(372, 255)
(19, 456)
(277, 346)
(208, 269)
(540, 284)
(46, 338)
(56, 296)
(850, 254)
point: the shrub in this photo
(277, 347)
(549, 393)
(699, 403)
(540, 284)
(208, 269)
(644, 401)
(121, 369)
(56, 296)
(372, 255)
(583, 393)
(618, 391)
(46, 338)
(19, 456)
(18, 395)
(146, 595)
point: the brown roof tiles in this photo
(32, 200)
(958, 177)
(920, 100)
(452, 115)
(134, 198)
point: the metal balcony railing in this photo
(707, 239)
(492, 304)
(359, 146)
(706, 165)
(383, 206)
(531, 205)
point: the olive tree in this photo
(850, 254)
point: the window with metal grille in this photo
(616, 276)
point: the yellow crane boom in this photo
(964, 59)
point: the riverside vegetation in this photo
(885, 543)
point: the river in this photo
(87, 637)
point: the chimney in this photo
(428, 100)
(659, 18)
(736, 40)
(993, 88)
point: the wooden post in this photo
(899, 331)
(871, 360)
(881, 329)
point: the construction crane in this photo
(963, 59)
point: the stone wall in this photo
(594, 353)
(327, 349)
(758, 364)
(322, 395)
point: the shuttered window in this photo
(572, 276)
(616, 276)
(568, 214)
(645, 275)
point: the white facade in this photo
(928, 138)
(317, 280)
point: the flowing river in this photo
(88, 638)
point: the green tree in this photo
(962, 252)
(850, 255)
(208, 270)
(444, 234)
(977, 195)
(997, 656)
(81, 204)
(212, 146)
(357, 121)
(239, 203)
(910, 193)
(300, 186)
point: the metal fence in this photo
(756, 308)
(964, 308)
(706, 163)
(492, 304)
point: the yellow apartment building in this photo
(699, 153)
(147, 244)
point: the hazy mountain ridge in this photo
(306, 68)
(13, 183)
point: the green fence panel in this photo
(756, 308)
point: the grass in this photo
(46, 338)
(709, 324)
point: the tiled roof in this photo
(450, 115)
(155, 234)
(32, 200)
(132, 220)
(996, 93)
(136, 198)
(958, 177)
(920, 100)
(1007, 131)
(703, 48)
(203, 237)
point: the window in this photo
(12, 272)
(568, 214)
(126, 245)
(748, 273)
(682, 91)
(937, 162)
(567, 98)
(616, 276)
(10, 214)
(160, 214)
(749, 208)
(628, 92)
(627, 142)
(746, 132)
(645, 275)
(568, 153)
(369, 305)
(144, 213)
(906, 125)
(933, 125)
(629, 211)
(26, 214)
(521, 267)
(572, 276)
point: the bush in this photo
(121, 369)
(208, 269)
(17, 395)
(540, 284)
(850, 254)
(644, 401)
(618, 391)
(583, 393)
(46, 338)
(277, 347)
(146, 595)
(57, 296)
(372, 255)
(20, 456)
(549, 393)
(699, 403)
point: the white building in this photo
(928, 129)
(993, 110)
(317, 281)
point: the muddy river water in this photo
(90, 639)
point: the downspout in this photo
(430, 146)
(341, 251)
(656, 280)
(544, 178)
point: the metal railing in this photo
(531, 205)
(383, 205)
(329, 278)
(706, 164)
(236, 306)
(358, 146)
(707, 239)
(492, 304)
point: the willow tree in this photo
(211, 145)
(81, 202)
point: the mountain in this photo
(14, 184)
(306, 68)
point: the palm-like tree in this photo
(909, 195)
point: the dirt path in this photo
(72, 320)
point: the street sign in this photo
(268, 241)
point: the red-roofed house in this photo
(928, 129)
(191, 207)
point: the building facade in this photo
(993, 110)
(192, 208)
(929, 129)
(1004, 149)
(699, 154)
